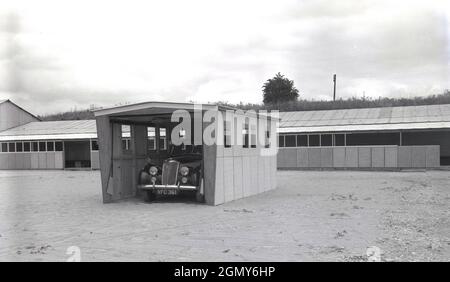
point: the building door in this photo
(77, 154)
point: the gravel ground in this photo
(312, 216)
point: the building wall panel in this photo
(19, 161)
(339, 157)
(432, 156)
(364, 157)
(26, 160)
(302, 157)
(377, 157)
(42, 160)
(289, 157)
(418, 156)
(3, 161)
(351, 157)
(59, 160)
(286, 158)
(11, 161)
(404, 157)
(314, 157)
(326, 157)
(390, 156)
(50, 163)
(34, 160)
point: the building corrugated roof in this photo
(57, 130)
(39, 130)
(372, 119)
(389, 118)
(53, 127)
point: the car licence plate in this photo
(167, 192)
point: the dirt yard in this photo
(312, 216)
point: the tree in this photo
(279, 89)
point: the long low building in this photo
(390, 137)
(70, 144)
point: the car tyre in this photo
(149, 196)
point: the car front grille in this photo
(170, 172)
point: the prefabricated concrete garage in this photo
(230, 170)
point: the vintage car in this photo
(178, 174)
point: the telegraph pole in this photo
(334, 89)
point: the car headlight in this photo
(153, 170)
(184, 170)
(184, 180)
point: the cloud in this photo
(104, 53)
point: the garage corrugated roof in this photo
(389, 118)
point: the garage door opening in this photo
(179, 166)
(77, 154)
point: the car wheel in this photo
(149, 196)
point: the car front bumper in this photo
(167, 187)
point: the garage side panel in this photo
(219, 194)
(228, 178)
(246, 175)
(104, 135)
(254, 174)
(237, 174)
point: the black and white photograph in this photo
(242, 133)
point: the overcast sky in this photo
(57, 55)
